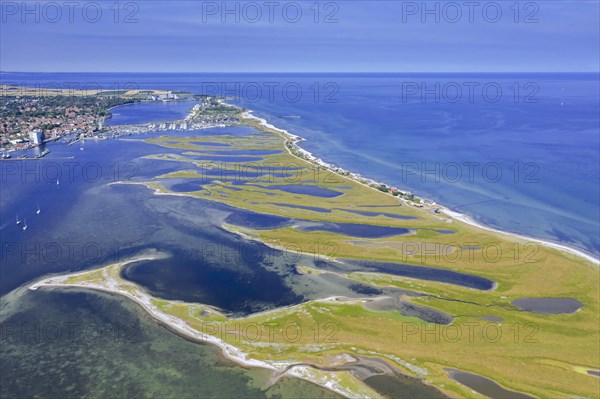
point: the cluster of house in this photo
(18, 131)
(31, 133)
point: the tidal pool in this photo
(406, 308)
(237, 131)
(186, 187)
(224, 158)
(305, 190)
(308, 208)
(548, 305)
(241, 152)
(389, 215)
(182, 185)
(402, 387)
(206, 143)
(492, 319)
(485, 386)
(255, 220)
(417, 272)
(354, 229)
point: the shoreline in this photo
(181, 328)
(231, 352)
(447, 211)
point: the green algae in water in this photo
(73, 344)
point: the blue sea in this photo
(516, 152)
(519, 152)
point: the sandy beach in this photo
(452, 214)
(180, 327)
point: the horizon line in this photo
(311, 72)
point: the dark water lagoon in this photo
(389, 215)
(308, 208)
(255, 220)
(242, 152)
(185, 187)
(208, 144)
(402, 387)
(406, 308)
(548, 305)
(485, 386)
(417, 272)
(305, 190)
(228, 276)
(224, 158)
(237, 131)
(157, 111)
(354, 229)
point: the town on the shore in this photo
(30, 118)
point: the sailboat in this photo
(38, 210)
(18, 221)
(25, 225)
(57, 182)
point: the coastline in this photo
(181, 328)
(452, 214)
(231, 352)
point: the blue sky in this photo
(370, 36)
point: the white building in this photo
(36, 137)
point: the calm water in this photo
(86, 221)
(485, 386)
(418, 272)
(521, 155)
(548, 305)
(150, 112)
(372, 128)
(203, 276)
(306, 190)
(355, 230)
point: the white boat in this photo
(57, 182)
(25, 224)
(38, 209)
(18, 221)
